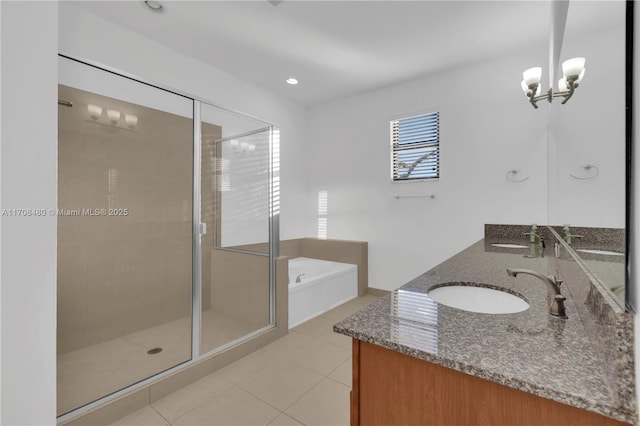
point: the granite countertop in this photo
(530, 351)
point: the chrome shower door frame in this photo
(197, 232)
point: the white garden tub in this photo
(323, 285)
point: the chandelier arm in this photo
(571, 82)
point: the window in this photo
(415, 147)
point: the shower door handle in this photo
(203, 228)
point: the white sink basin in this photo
(501, 245)
(607, 252)
(478, 299)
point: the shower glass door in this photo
(125, 233)
(235, 208)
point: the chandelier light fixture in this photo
(573, 72)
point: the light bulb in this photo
(132, 120)
(525, 89)
(234, 144)
(573, 67)
(95, 111)
(532, 75)
(563, 85)
(114, 116)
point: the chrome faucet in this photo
(556, 299)
(298, 280)
(567, 235)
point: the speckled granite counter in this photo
(531, 350)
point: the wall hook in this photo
(397, 197)
(587, 168)
(512, 176)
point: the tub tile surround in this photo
(585, 361)
(344, 251)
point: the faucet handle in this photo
(555, 280)
(557, 307)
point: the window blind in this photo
(415, 147)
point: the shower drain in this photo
(154, 351)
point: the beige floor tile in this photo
(232, 407)
(319, 356)
(284, 420)
(281, 384)
(286, 374)
(87, 374)
(326, 404)
(188, 398)
(145, 417)
(286, 344)
(247, 366)
(335, 338)
(313, 326)
(337, 314)
(343, 373)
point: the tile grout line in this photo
(199, 405)
(160, 414)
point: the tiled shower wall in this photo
(121, 274)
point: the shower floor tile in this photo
(90, 373)
(256, 390)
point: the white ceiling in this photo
(336, 48)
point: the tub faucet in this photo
(298, 280)
(556, 299)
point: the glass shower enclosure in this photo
(167, 232)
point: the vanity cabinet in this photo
(391, 388)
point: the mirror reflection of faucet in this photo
(557, 327)
(567, 235)
(536, 242)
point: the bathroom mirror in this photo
(586, 142)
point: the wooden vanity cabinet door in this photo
(390, 388)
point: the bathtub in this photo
(323, 285)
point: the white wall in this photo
(82, 34)
(590, 129)
(28, 169)
(487, 128)
(30, 45)
(481, 116)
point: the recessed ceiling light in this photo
(292, 81)
(156, 6)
